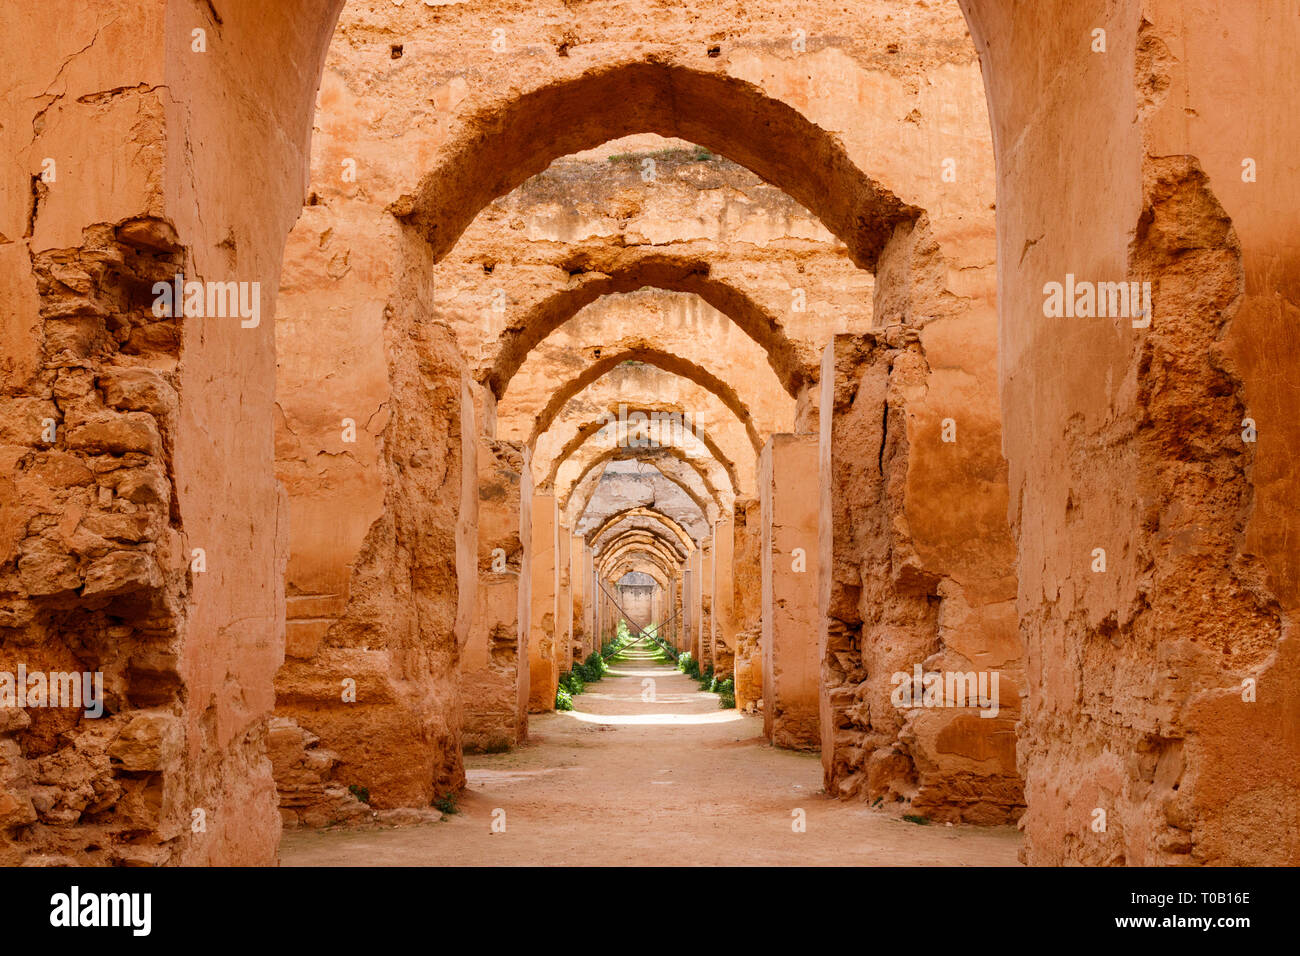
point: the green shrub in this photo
(913, 818)
(360, 792)
(620, 641)
(593, 668)
(726, 690)
(446, 803)
(571, 682)
(563, 699)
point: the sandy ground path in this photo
(669, 781)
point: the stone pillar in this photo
(596, 604)
(597, 612)
(543, 661)
(918, 580)
(578, 595)
(524, 605)
(563, 599)
(687, 604)
(787, 485)
(706, 603)
(697, 603)
(747, 602)
(724, 625)
(675, 626)
(493, 662)
(681, 607)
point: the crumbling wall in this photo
(543, 652)
(118, 151)
(747, 598)
(306, 776)
(902, 597)
(1142, 742)
(381, 687)
(95, 577)
(1179, 608)
(493, 661)
(790, 575)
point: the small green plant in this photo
(662, 651)
(688, 665)
(726, 691)
(571, 682)
(914, 818)
(592, 669)
(360, 792)
(446, 803)
(563, 699)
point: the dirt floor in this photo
(672, 780)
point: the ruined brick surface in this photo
(1128, 165)
(894, 597)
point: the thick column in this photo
(724, 626)
(917, 592)
(578, 560)
(563, 599)
(695, 604)
(491, 664)
(679, 624)
(706, 603)
(597, 612)
(544, 674)
(747, 602)
(597, 637)
(687, 603)
(787, 488)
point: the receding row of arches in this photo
(938, 467)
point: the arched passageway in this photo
(1140, 486)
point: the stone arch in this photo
(627, 271)
(653, 459)
(631, 525)
(589, 430)
(254, 108)
(639, 511)
(648, 547)
(644, 543)
(667, 361)
(498, 146)
(644, 566)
